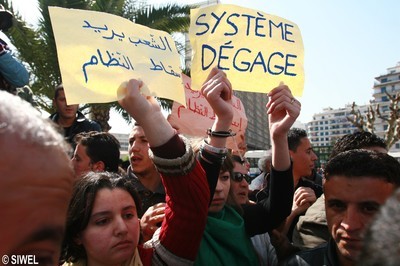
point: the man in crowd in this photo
(306, 192)
(311, 229)
(147, 182)
(69, 117)
(95, 151)
(36, 179)
(264, 164)
(357, 183)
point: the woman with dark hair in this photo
(98, 199)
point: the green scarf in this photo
(225, 241)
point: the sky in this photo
(347, 44)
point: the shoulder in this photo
(313, 256)
(86, 124)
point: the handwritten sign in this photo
(257, 50)
(198, 110)
(97, 52)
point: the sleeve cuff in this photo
(179, 165)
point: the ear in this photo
(291, 154)
(98, 166)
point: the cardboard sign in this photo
(198, 116)
(255, 49)
(97, 52)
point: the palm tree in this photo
(37, 45)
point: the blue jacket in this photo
(12, 70)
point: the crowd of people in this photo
(66, 200)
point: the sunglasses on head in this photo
(238, 177)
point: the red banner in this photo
(199, 116)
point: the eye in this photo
(224, 177)
(129, 215)
(336, 205)
(101, 222)
(370, 207)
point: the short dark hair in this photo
(81, 207)
(357, 140)
(238, 159)
(227, 165)
(294, 137)
(57, 90)
(101, 146)
(361, 163)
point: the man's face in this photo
(64, 110)
(35, 189)
(139, 152)
(81, 161)
(240, 190)
(350, 204)
(303, 159)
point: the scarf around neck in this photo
(225, 241)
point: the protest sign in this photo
(97, 52)
(255, 49)
(198, 116)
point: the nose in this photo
(352, 220)
(134, 147)
(219, 187)
(120, 227)
(244, 183)
(314, 156)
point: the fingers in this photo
(304, 195)
(214, 71)
(152, 218)
(281, 98)
(217, 84)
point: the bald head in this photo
(35, 181)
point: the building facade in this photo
(388, 83)
(123, 142)
(331, 124)
(257, 132)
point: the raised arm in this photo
(218, 92)
(268, 214)
(283, 110)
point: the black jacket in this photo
(323, 255)
(81, 124)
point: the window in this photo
(383, 89)
(384, 80)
